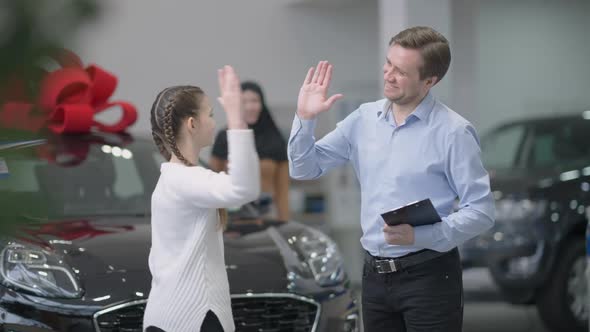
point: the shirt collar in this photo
(422, 111)
(425, 107)
(382, 114)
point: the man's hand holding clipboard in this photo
(400, 222)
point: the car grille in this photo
(258, 313)
(123, 318)
(274, 314)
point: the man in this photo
(404, 148)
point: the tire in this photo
(555, 301)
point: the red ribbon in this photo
(69, 98)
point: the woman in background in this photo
(270, 145)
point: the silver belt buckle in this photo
(386, 266)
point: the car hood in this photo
(110, 254)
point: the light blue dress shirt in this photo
(434, 154)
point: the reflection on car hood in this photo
(111, 254)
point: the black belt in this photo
(390, 265)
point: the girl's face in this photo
(202, 126)
(252, 105)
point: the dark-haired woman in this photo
(270, 145)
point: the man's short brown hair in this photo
(433, 46)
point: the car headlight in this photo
(37, 271)
(509, 209)
(322, 257)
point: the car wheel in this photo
(562, 302)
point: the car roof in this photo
(542, 119)
(551, 118)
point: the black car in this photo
(540, 177)
(76, 255)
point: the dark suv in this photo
(540, 177)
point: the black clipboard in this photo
(417, 213)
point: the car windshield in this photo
(76, 177)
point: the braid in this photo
(169, 130)
(170, 139)
(157, 130)
(161, 147)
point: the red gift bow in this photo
(68, 100)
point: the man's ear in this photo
(431, 81)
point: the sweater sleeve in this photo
(208, 189)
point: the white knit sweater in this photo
(187, 257)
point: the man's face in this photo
(401, 73)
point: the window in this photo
(105, 180)
(127, 181)
(561, 144)
(500, 148)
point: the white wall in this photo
(464, 47)
(510, 58)
(533, 57)
(154, 44)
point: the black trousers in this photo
(210, 324)
(425, 297)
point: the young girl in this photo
(190, 290)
